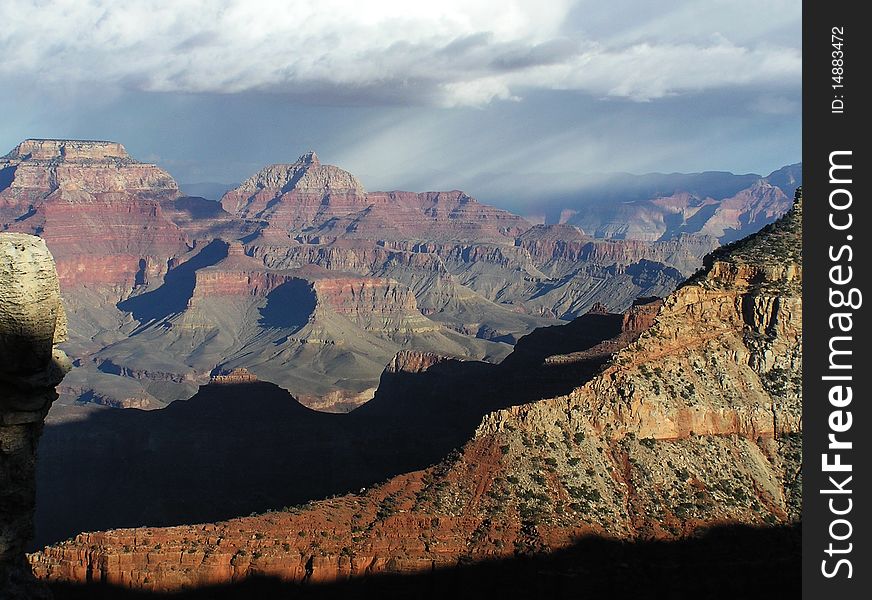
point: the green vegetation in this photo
(386, 508)
(776, 381)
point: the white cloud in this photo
(448, 53)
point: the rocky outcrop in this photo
(731, 336)
(233, 376)
(641, 316)
(414, 361)
(374, 304)
(32, 322)
(695, 423)
(323, 203)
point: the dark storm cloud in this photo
(512, 100)
(547, 53)
(450, 53)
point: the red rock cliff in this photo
(698, 422)
(98, 209)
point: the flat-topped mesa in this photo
(69, 151)
(38, 168)
(100, 211)
(32, 322)
(76, 172)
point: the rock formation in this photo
(551, 246)
(143, 267)
(727, 214)
(693, 420)
(325, 202)
(240, 375)
(100, 211)
(296, 196)
(32, 322)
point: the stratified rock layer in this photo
(137, 264)
(695, 420)
(99, 210)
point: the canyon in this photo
(391, 384)
(655, 424)
(306, 279)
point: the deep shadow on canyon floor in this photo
(740, 563)
(236, 449)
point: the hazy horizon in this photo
(509, 105)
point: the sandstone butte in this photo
(101, 212)
(694, 422)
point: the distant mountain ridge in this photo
(659, 207)
(144, 269)
(209, 190)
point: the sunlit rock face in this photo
(693, 421)
(32, 322)
(101, 212)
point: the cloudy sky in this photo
(507, 99)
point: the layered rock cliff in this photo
(376, 304)
(323, 203)
(120, 231)
(100, 211)
(297, 195)
(552, 246)
(694, 420)
(32, 322)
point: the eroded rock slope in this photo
(693, 422)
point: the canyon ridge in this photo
(301, 277)
(677, 417)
